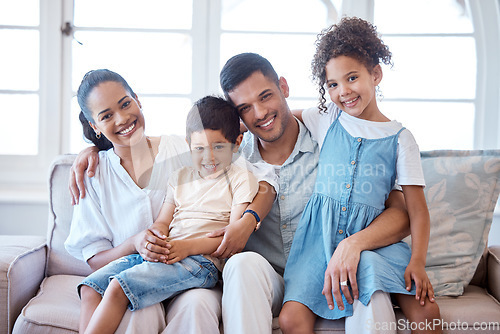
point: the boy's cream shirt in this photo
(203, 205)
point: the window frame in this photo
(485, 15)
(23, 178)
(200, 66)
(486, 22)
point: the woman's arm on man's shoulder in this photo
(87, 160)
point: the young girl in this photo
(363, 154)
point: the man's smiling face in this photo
(262, 106)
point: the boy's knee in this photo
(87, 293)
(114, 291)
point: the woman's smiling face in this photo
(116, 113)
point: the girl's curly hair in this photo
(352, 37)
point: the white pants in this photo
(195, 311)
(147, 320)
(192, 312)
(373, 318)
(253, 295)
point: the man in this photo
(253, 283)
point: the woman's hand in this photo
(87, 159)
(152, 245)
(341, 273)
(235, 236)
(416, 272)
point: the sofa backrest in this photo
(471, 176)
(60, 214)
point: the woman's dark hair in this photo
(214, 113)
(351, 37)
(238, 68)
(91, 80)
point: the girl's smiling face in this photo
(352, 87)
(116, 113)
(211, 152)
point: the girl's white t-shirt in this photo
(408, 165)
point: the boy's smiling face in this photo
(211, 151)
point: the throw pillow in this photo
(461, 190)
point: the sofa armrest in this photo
(22, 269)
(494, 271)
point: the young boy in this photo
(200, 199)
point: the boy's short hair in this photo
(213, 113)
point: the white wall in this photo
(23, 219)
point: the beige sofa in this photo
(38, 277)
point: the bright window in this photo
(444, 84)
(158, 55)
(19, 76)
(432, 87)
(150, 45)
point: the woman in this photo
(125, 197)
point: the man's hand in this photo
(341, 273)
(235, 237)
(87, 159)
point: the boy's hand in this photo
(178, 250)
(87, 159)
(416, 272)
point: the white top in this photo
(203, 205)
(408, 166)
(115, 208)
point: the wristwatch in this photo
(257, 218)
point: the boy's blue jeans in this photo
(147, 283)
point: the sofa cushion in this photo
(461, 192)
(22, 269)
(494, 271)
(475, 310)
(60, 215)
(55, 309)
